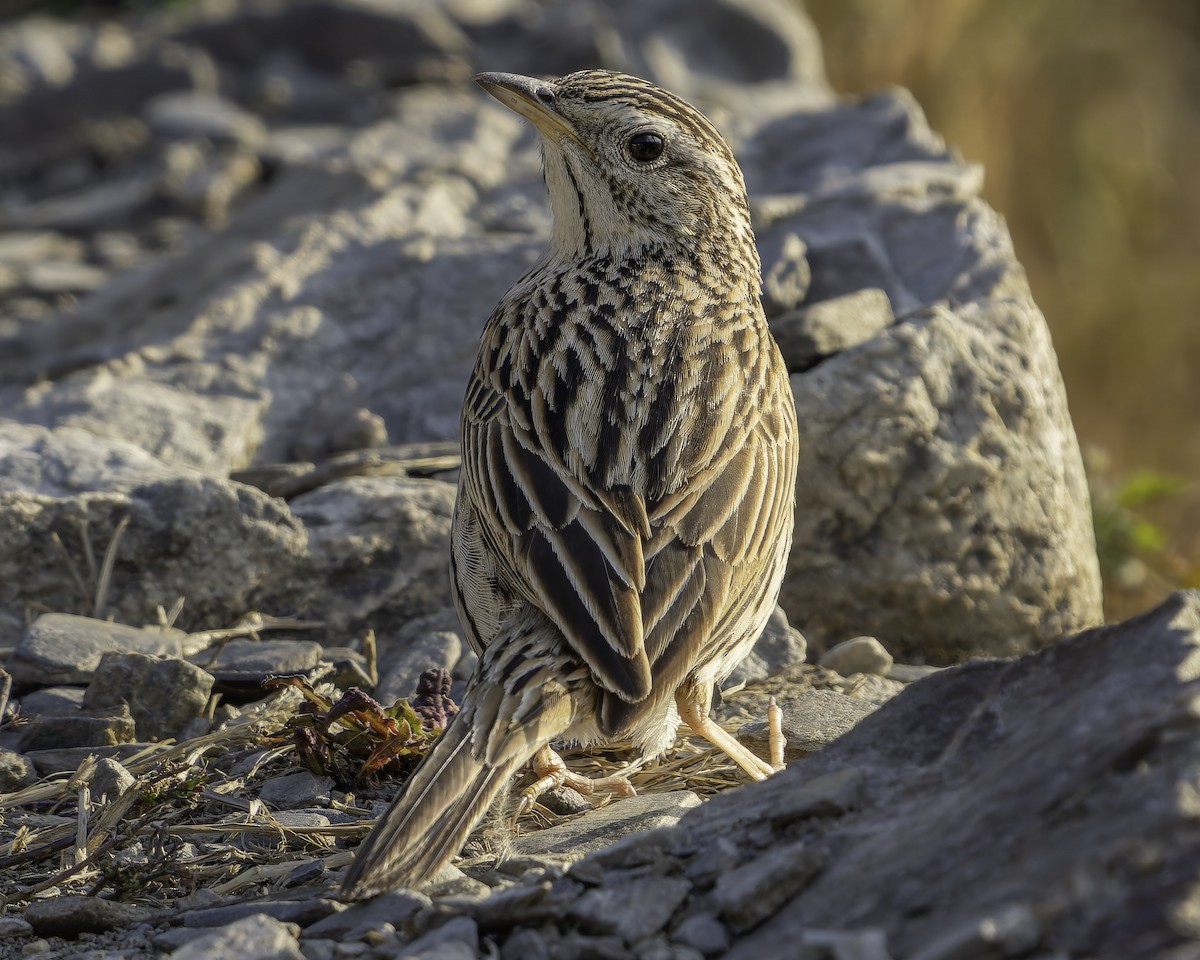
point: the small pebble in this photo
(860, 655)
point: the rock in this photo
(441, 941)
(162, 694)
(109, 204)
(97, 728)
(395, 908)
(69, 916)
(423, 644)
(200, 115)
(381, 546)
(633, 910)
(604, 827)
(16, 771)
(256, 937)
(60, 276)
(68, 759)
(302, 913)
(14, 927)
(110, 780)
(63, 648)
(296, 790)
(210, 190)
(245, 661)
(811, 334)
(811, 721)
(859, 655)
(1079, 779)
(350, 668)
(937, 453)
(756, 890)
(780, 646)
(704, 933)
(52, 701)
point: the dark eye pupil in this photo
(645, 147)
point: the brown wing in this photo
(575, 553)
(715, 556)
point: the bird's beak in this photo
(531, 98)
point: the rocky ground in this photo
(246, 249)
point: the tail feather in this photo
(428, 823)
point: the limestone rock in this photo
(602, 828)
(62, 648)
(256, 937)
(103, 727)
(69, 916)
(858, 655)
(294, 790)
(162, 694)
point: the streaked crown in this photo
(629, 165)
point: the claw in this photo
(553, 773)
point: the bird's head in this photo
(628, 165)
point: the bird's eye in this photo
(645, 147)
(545, 94)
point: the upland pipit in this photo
(629, 458)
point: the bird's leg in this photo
(693, 706)
(552, 773)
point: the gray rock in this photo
(429, 642)
(302, 913)
(350, 668)
(16, 771)
(780, 646)
(811, 720)
(110, 780)
(634, 910)
(457, 933)
(295, 790)
(14, 927)
(252, 661)
(96, 728)
(811, 334)
(756, 890)
(380, 544)
(162, 694)
(68, 759)
(62, 276)
(858, 655)
(704, 933)
(201, 115)
(1028, 747)
(604, 827)
(256, 937)
(69, 916)
(396, 908)
(52, 701)
(63, 648)
(107, 204)
(525, 944)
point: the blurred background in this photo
(1086, 117)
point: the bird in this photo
(629, 454)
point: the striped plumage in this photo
(629, 457)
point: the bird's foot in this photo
(701, 723)
(552, 773)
